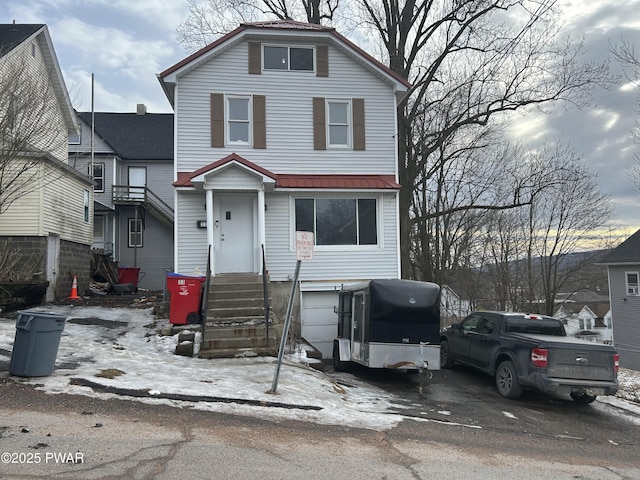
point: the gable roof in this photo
(135, 137)
(294, 181)
(627, 252)
(167, 77)
(12, 35)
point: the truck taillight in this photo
(539, 357)
(616, 362)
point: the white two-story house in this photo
(282, 127)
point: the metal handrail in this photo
(205, 294)
(265, 292)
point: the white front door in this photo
(236, 234)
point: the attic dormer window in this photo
(288, 58)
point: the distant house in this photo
(133, 170)
(623, 264)
(281, 127)
(582, 322)
(453, 308)
(50, 222)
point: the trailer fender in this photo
(344, 349)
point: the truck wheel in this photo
(582, 398)
(446, 361)
(338, 365)
(507, 380)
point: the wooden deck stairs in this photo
(235, 319)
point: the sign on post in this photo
(304, 245)
(304, 251)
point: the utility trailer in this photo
(392, 324)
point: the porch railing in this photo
(129, 194)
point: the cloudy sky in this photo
(126, 43)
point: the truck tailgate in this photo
(578, 359)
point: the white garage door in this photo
(319, 320)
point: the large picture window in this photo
(338, 221)
(288, 58)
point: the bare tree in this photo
(478, 58)
(625, 53)
(27, 104)
(210, 20)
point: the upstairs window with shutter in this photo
(288, 58)
(299, 59)
(238, 120)
(338, 123)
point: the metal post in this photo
(285, 330)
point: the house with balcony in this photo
(623, 266)
(46, 206)
(281, 127)
(130, 158)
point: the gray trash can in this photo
(36, 343)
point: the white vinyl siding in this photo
(624, 316)
(289, 120)
(329, 264)
(192, 253)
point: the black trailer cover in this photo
(403, 311)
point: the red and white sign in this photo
(304, 245)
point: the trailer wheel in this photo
(507, 380)
(338, 365)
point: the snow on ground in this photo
(120, 348)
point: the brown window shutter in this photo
(357, 104)
(259, 122)
(217, 120)
(255, 58)
(319, 124)
(322, 61)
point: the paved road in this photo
(69, 437)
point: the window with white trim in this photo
(632, 283)
(338, 221)
(288, 58)
(97, 175)
(339, 123)
(135, 232)
(238, 120)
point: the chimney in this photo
(141, 109)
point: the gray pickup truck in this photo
(531, 351)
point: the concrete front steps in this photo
(235, 319)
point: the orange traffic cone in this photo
(74, 289)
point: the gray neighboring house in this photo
(133, 195)
(623, 264)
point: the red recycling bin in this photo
(128, 275)
(185, 294)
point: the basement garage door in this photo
(319, 320)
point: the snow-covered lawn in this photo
(104, 349)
